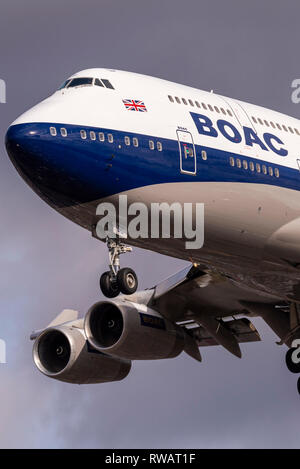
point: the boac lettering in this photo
(205, 126)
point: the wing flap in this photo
(242, 329)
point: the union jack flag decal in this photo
(134, 105)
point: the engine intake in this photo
(133, 331)
(63, 353)
(54, 351)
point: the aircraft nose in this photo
(22, 144)
(13, 138)
(35, 155)
(54, 166)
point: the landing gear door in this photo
(187, 153)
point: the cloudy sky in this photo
(246, 50)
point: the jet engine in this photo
(133, 331)
(63, 353)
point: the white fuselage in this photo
(243, 165)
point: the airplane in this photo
(107, 133)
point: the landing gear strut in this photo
(117, 280)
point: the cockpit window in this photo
(86, 81)
(80, 82)
(107, 84)
(98, 82)
(64, 85)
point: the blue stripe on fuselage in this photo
(77, 170)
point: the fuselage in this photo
(158, 141)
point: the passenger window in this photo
(267, 123)
(278, 126)
(92, 135)
(254, 120)
(53, 131)
(258, 167)
(251, 166)
(171, 99)
(270, 171)
(297, 131)
(238, 163)
(83, 134)
(231, 160)
(197, 104)
(204, 106)
(223, 110)
(107, 84)
(135, 142)
(151, 144)
(191, 102)
(110, 138)
(264, 169)
(245, 164)
(284, 128)
(63, 132)
(98, 82)
(229, 112)
(204, 155)
(101, 136)
(260, 121)
(216, 109)
(159, 146)
(177, 99)
(276, 171)
(272, 124)
(291, 130)
(183, 100)
(127, 140)
(210, 107)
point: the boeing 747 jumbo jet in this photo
(107, 137)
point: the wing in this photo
(67, 315)
(214, 309)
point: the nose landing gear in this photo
(117, 280)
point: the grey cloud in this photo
(248, 51)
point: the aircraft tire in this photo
(109, 288)
(127, 281)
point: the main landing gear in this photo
(117, 280)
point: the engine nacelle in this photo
(63, 353)
(132, 331)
